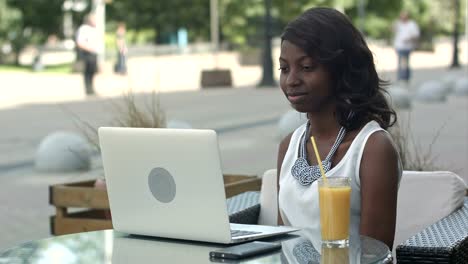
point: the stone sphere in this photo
(178, 124)
(399, 97)
(461, 86)
(432, 91)
(289, 122)
(449, 81)
(63, 151)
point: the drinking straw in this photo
(319, 160)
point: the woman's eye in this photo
(308, 67)
(283, 68)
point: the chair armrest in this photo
(446, 241)
(269, 199)
(244, 208)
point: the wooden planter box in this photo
(216, 78)
(80, 207)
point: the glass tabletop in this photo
(108, 246)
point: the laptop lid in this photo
(165, 182)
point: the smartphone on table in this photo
(245, 250)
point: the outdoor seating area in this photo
(431, 227)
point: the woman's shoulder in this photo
(375, 134)
(362, 132)
(379, 144)
(381, 141)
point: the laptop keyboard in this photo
(237, 233)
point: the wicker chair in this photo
(445, 241)
(244, 208)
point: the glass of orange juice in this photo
(334, 200)
(334, 255)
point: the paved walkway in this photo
(246, 118)
(171, 73)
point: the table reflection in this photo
(138, 249)
(114, 247)
(89, 247)
(308, 248)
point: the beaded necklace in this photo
(301, 170)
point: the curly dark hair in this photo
(331, 39)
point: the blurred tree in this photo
(164, 17)
(241, 21)
(38, 19)
(379, 16)
(42, 16)
(243, 26)
(10, 24)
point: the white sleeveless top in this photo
(299, 205)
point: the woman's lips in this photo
(296, 98)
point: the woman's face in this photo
(306, 83)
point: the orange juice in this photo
(334, 200)
(334, 255)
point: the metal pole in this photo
(99, 8)
(67, 8)
(214, 22)
(267, 79)
(455, 62)
(466, 35)
(361, 14)
(68, 25)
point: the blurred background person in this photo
(121, 64)
(87, 41)
(406, 37)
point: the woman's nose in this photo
(293, 79)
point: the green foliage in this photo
(43, 17)
(10, 20)
(241, 21)
(29, 22)
(379, 16)
(377, 27)
(10, 27)
(434, 17)
(163, 17)
(242, 26)
(141, 36)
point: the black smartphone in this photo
(245, 250)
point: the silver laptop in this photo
(168, 183)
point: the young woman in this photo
(328, 72)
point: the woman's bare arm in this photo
(283, 147)
(379, 188)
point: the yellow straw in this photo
(319, 160)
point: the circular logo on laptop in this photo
(162, 185)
